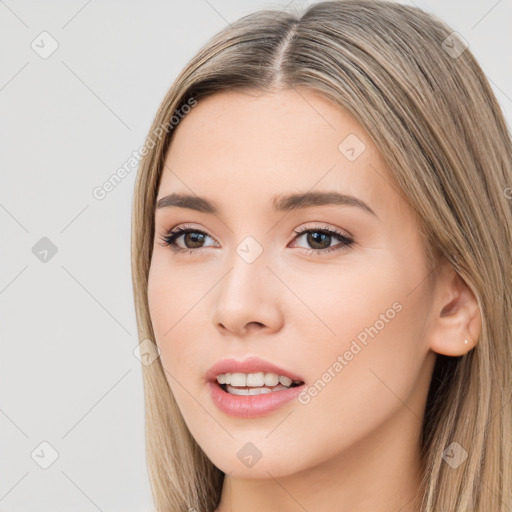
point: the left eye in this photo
(319, 238)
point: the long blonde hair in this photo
(428, 107)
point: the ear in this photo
(456, 315)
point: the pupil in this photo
(194, 237)
(315, 235)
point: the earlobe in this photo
(456, 321)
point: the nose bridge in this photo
(247, 292)
(248, 274)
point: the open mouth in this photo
(253, 377)
(262, 390)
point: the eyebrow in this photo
(280, 203)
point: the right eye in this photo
(192, 237)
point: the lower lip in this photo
(251, 406)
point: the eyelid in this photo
(180, 230)
(322, 226)
(318, 225)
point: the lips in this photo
(249, 365)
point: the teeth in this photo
(271, 379)
(285, 381)
(254, 380)
(238, 379)
(253, 391)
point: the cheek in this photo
(166, 307)
(172, 294)
(335, 302)
(370, 349)
(361, 381)
(177, 320)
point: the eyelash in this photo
(169, 239)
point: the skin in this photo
(355, 445)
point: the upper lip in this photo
(248, 365)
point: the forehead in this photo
(245, 147)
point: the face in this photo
(334, 292)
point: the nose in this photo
(249, 299)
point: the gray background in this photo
(68, 374)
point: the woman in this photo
(321, 236)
